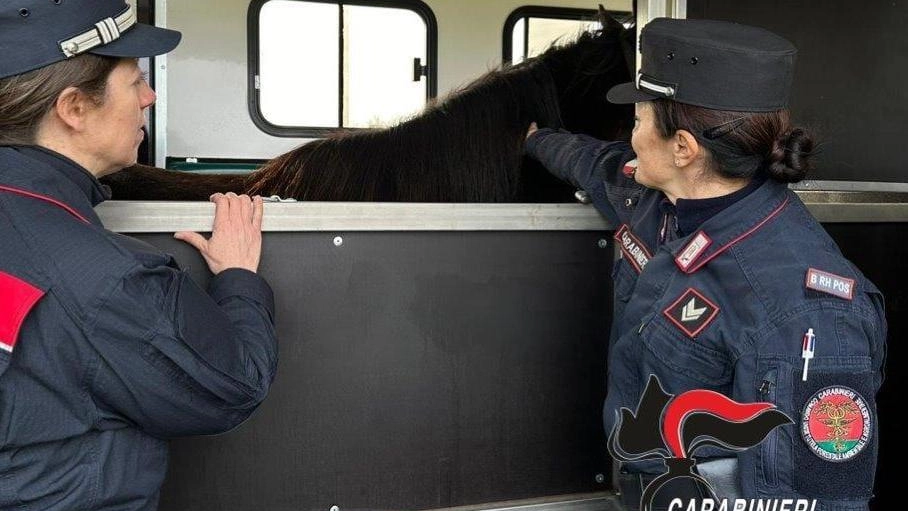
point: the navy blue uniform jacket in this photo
(726, 308)
(107, 348)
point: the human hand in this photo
(236, 236)
(533, 129)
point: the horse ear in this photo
(627, 47)
(609, 21)
(603, 15)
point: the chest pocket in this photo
(18, 299)
(687, 363)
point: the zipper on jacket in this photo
(767, 391)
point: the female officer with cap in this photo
(107, 348)
(725, 281)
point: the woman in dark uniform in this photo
(107, 348)
(725, 281)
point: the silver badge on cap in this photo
(647, 84)
(103, 32)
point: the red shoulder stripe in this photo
(17, 298)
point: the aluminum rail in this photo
(148, 217)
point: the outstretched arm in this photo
(588, 163)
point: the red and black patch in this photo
(632, 248)
(692, 312)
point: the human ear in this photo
(685, 148)
(71, 108)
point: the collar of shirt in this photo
(45, 173)
(83, 179)
(691, 213)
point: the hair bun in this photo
(789, 160)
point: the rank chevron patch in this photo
(691, 312)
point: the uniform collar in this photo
(692, 213)
(38, 170)
(740, 219)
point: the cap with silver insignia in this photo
(37, 33)
(712, 64)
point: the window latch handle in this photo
(419, 70)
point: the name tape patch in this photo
(633, 249)
(830, 283)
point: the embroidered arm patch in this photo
(830, 283)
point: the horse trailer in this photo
(452, 355)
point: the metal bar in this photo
(855, 186)
(130, 216)
(159, 82)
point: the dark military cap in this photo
(713, 64)
(36, 33)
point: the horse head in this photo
(582, 73)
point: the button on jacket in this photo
(107, 348)
(726, 308)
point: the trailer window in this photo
(529, 31)
(316, 66)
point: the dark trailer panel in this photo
(418, 370)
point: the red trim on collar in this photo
(55, 202)
(723, 248)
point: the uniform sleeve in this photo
(830, 452)
(588, 163)
(175, 360)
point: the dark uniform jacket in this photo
(107, 348)
(726, 307)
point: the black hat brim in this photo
(141, 41)
(625, 93)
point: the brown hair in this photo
(26, 98)
(740, 144)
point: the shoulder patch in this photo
(835, 423)
(829, 283)
(697, 245)
(17, 298)
(692, 312)
(632, 248)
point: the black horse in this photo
(467, 147)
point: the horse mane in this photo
(466, 147)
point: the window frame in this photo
(539, 11)
(252, 45)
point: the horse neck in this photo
(466, 148)
(141, 182)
